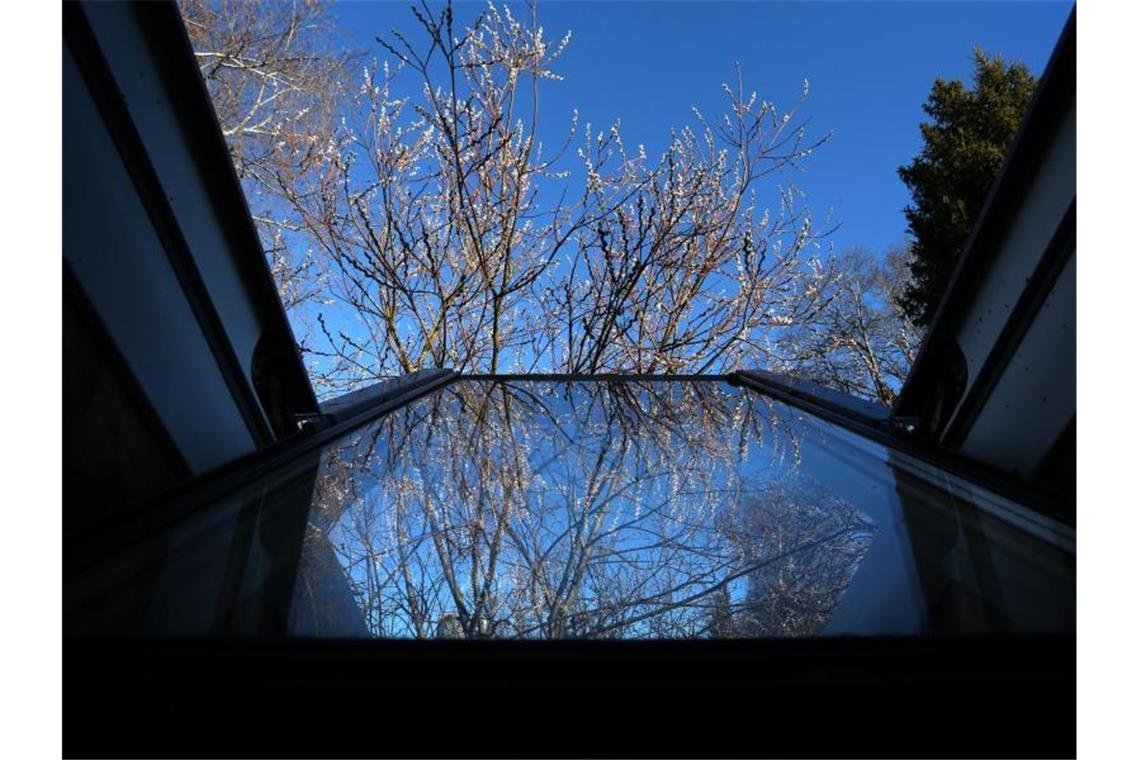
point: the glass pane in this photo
(602, 509)
(664, 509)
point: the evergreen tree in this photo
(964, 145)
(720, 617)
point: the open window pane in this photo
(649, 509)
(606, 509)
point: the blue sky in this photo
(870, 65)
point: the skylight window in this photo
(642, 509)
(500, 507)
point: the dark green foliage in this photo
(965, 142)
(720, 618)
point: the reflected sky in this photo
(643, 509)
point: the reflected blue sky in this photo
(637, 509)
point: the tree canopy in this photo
(413, 217)
(964, 145)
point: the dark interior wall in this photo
(116, 452)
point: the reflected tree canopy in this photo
(579, 509)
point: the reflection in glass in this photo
(638, 509)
